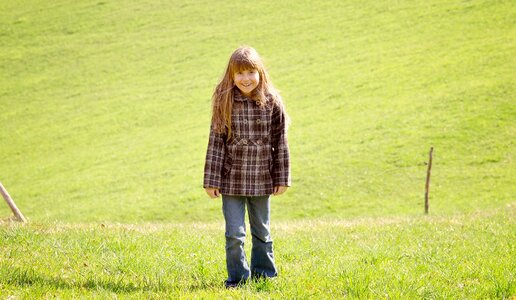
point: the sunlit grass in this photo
(106, 106)
(105, 110)
(471, 256)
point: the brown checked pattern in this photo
(256, 158)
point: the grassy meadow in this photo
(104, 126)
(462, 257)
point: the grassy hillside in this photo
(105, 105)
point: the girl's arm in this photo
(280, 154)
(214, 162)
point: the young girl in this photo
(247, 161)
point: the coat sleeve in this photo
(214, 160)
(280, 150)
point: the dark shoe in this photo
(233, 284)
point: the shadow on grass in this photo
(27, 277)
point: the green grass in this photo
(471, 256)
(105, 107)
(105, 111)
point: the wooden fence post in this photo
(17, 213)
(427, 186)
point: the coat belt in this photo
(249, 141)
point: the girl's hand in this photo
(278, 190)
(213, 193)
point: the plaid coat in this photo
(256, 158)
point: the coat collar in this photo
(238, 96)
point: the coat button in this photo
(258, 121)
(244, 141)
(245, 121)
(259, 142)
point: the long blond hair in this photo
(243, 58)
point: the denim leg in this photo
(233, 208)
(262, 257)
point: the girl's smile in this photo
(247, 80)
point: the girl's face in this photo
(246, 80)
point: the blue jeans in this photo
(262, 257)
